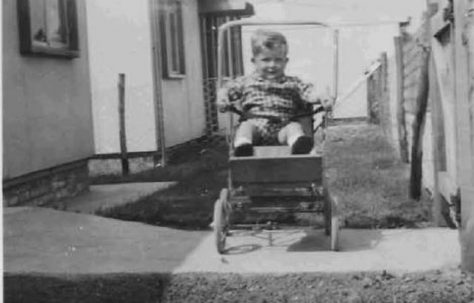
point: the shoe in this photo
(244, 150)
(302, 145)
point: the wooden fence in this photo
(435, 113)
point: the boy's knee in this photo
(245, 124)
(294, 129)
(245, 133)
(290, 133)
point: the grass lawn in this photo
(365, 173)
(362, 169)
(201, 173)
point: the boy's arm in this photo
(229, 93)
(308, 93)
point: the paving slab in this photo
(46, 241)
(100, 197)
(398, 251)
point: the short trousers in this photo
(267, 131)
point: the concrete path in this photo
(308, 251)
(49, 241)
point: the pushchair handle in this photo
(246, 116)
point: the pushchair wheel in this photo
(331, 219)
(334, 224)
(220, 220)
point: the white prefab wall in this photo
(120, 42)
(183, 100)
(46, 103)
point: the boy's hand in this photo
(223, 103)
(226, 97)
(223, 107)
(327, 102)
(324, 99)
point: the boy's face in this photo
(270, 63)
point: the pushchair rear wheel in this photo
(220, 220)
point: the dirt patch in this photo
(427, 287)
(354, 287)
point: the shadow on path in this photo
(316, 240)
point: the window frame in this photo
(68, 16)
(172, 40)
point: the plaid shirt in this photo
(280, 98)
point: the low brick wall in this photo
(68, 180)
(103, 165)
(110, 164)
(46, 186)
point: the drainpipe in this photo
(157, 79)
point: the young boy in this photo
(269, 99)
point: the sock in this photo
(292, 140)
(241, 141)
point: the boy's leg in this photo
(293, 135)
(243, 140)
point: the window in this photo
(172, 39)
(48, 27)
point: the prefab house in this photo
(47, 116)
(89, 83)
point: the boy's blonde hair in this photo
(266, 39)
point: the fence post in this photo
(421, 105)
(373, 97)
(436, 119)
(385, 105)
(416, 168)
(434, 96)
(401, 123)
(122, 133)
(467, 187)
(377, 95)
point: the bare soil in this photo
(356, 287)
(427, 287)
